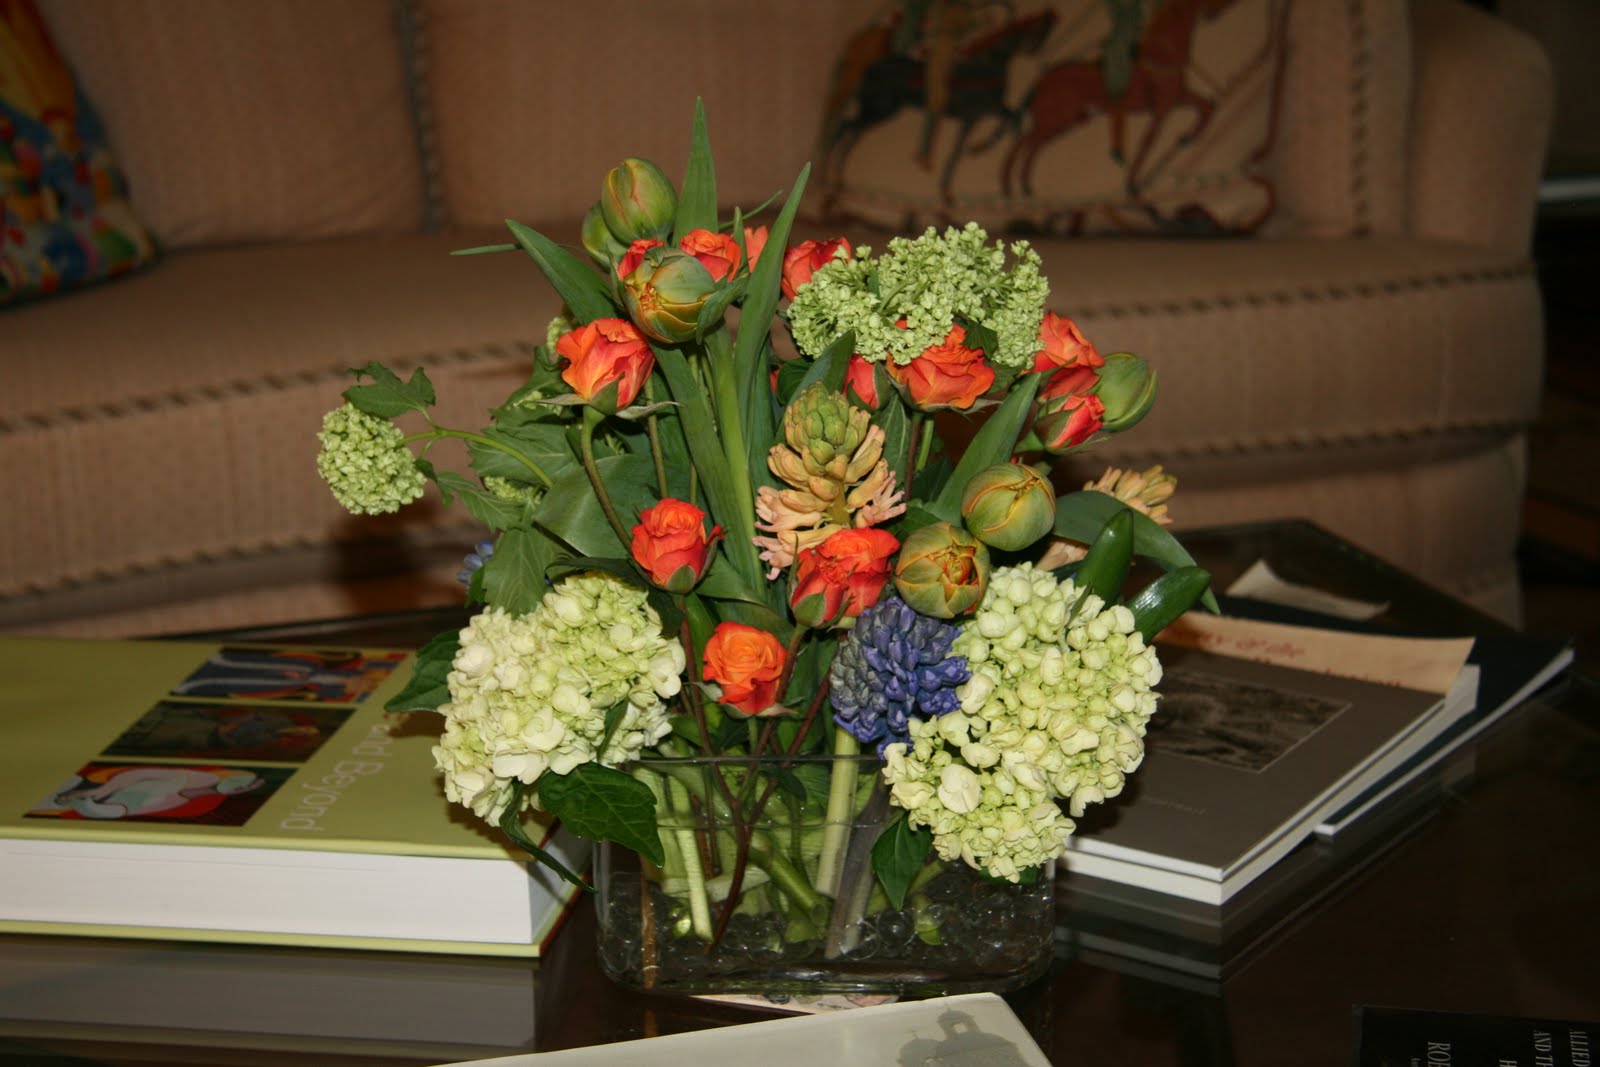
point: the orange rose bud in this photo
(1069, 412)
(746, 663)
(635, 255)
(841, 577)
(718, 253)
(606, 351)
(1063, 346)
(947, 375)
(671, 544)
(803, 260)
(861, 380)
(755, 242)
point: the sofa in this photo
(1369, 359)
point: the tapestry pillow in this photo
(64, 216)
(1075, 116)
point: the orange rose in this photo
(1063, 345)
(635, 255)
(947, 375)
(671, 544)
(746, 663)
(843, 576)
(801, 261)
(861, 380)
(606, 351)
(718, 253)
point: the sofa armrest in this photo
(1483, 98)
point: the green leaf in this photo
(716, 306)
(482, 249)
(525, 450)
(492, 511)
(993, 443)
(898, 855)
(388, 396)
(604, 804)
(511, 826)
(1081, 516)
(697, 201)
(831, 365)
(1169, 596)
(513, 578)
(426, 689)
(583, 291)
(1105, 568)
(571, 511)
(895, 421)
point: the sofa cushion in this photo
(530, 104)
(1062, 117)
(64, 216)
(239, 122)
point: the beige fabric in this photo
(1059, 117)
(1484, 103)
(533, 102)
(284, 120)
(1339, 162)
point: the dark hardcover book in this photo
(1401, 1037)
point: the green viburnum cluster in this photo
(1051, 712)
(929, 282)
(365, 462)
(529, 693)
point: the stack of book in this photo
(246, 793)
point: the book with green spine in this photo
(246, 793)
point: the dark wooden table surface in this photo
(1479, 896)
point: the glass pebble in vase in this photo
(767, 886)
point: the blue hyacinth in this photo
(895, 665)
(475, 559)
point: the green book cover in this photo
(114, 753)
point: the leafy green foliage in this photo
(993, 443)
(1105, 568)
(426, 689)
(571, 511)
(1081, 517)
(388, 397)
(511, 826)
(492, 511)
(697, 200)
(898, 855)
(514, 576)
(583, 290)
(523, 450)
(604, 804)
(1163, 600)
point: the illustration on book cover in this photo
(212, 795)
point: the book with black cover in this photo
(1404, 1037)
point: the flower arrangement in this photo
(703, 548)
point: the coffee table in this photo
(1479, 894)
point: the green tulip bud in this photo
(598, 241)
(665, 292)
(1127, 389)
(637, 200)
(942, 570)
(1009, 506)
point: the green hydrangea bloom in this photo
(365, 462)
(1051, 713)
(529, 693)
(929, 282)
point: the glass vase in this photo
(768, 887)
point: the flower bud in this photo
(1069, 411)
(637, 200)
(665, 292)
(1127, 389)
(942, 571)
(598, 241)
(672, 545)
(1009, 506)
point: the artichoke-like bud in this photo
(942, 570)
(824, 430)
(637, 200)
(665, 292)
(598, 240)
(1127, 389)
(1009, 506)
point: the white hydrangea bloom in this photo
(1053, 713)
(529, 693)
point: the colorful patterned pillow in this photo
(1071, 116)
(64, 217)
